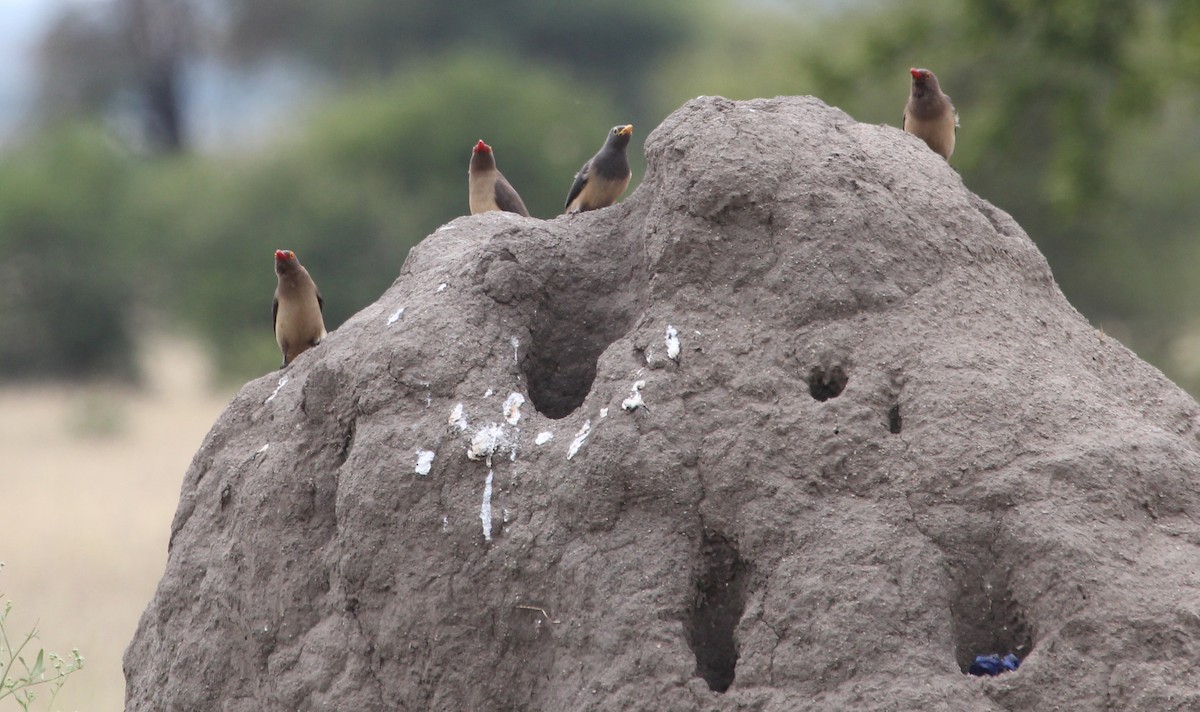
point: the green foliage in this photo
(20, 679)
(1077, 117)
(416, 133)
(88, 231)
(65, 284)
(610, 43)
(1074, 118)
(742, 52)
(369, 177)
(222, 221)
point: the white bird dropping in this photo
(580, 437)
(424, 462)
(512, 408)
(485, 509)
(635, 401)
(458, 419)
(487, 441)
(672, 342)
(278, 387)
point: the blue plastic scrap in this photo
(992, 665)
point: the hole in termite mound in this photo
(987, 618)
(824, 384)
(577, 319)
(720, 599)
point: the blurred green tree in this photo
(370, 176)
(1078, 117)
(607, 44)
(1075, 116)
(66, 288)
(130, 58)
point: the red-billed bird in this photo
(605, 176)
(929, 115)
(296, 310)
(488, 188)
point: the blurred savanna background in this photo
(154, 153)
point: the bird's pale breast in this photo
(482, 193)
(599, 192)
(937, 132)
(298, 324)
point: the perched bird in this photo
(489, 190)
(605, 176)
(297, 308)
(929, 114)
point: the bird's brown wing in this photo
(507, 198)
(274, 313)
(581, 179)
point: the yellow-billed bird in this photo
(605, 176)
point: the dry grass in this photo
(88, 486)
